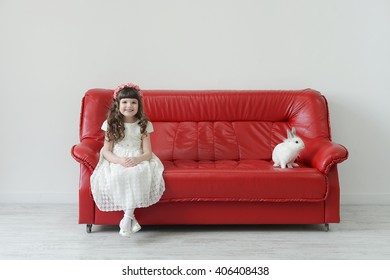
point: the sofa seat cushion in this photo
(245, 180)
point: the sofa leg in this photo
(326, 227)
(89, 228)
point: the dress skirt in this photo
(115, 187)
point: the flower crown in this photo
(128, 85)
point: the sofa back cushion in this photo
(217, 125)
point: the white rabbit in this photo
(284, 154)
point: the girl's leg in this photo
(129, 213)
(126, 223)
(134, 223)
(129, 223)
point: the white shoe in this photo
(125, 231)
(135, 226)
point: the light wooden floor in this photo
(31, 232)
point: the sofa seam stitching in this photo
(174, 142)
(238, 146)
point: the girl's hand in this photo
(129, 161)
(133, 161)
(125, 162)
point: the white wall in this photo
(51, 52)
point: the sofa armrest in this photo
(323, 154)
(87, 152)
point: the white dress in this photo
(115, 187)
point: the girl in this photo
(128, 174)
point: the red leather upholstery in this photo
(216, 147)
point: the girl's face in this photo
(128, 107)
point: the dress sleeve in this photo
(104, 125)
(149, 127)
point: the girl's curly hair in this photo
(115, 120)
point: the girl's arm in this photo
(146, 147)
(111, 157)
(147, 151)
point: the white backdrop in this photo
(51, 52)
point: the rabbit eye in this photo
(296, 142)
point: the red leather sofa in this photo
(216, 147)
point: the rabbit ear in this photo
(293, 132)
(289, 134)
